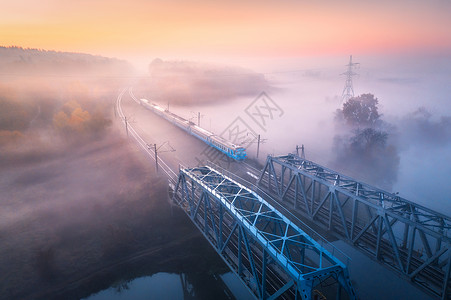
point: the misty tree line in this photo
(368, 147)
(45, 98)
(363, 148)
(24, 114)
(18, 60)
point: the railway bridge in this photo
(406, 237)
(272, 256)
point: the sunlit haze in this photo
(139, 137)
(140, 29)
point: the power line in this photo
(157, 150)
(127, 121)
(258, 142)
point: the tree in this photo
(368, 156)
(60, 121)
(368, 140)
(14, 114)
(361, 111)
(72, 119)
(7, 136)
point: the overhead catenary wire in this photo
(166, 169)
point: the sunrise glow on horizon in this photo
(201, 27)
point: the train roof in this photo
(225, 142)
(198, 128)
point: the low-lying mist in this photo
(83, 206)
(363, 145)
(421, 128)
(413, 123)
(191, 83)
(78, 197)
(369, 147)
(79, 210)
(43, 117)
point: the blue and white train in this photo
(236, 152)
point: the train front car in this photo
(231, 150)
(239, 153)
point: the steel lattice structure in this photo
(348, 90)
(409, 238)
(271, 255)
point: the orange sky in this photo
(230, 27)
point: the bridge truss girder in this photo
(272, 256)
(409, 238)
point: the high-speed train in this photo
(236, 152)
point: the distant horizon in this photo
(141, 63)
(139, 29)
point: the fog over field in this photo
(76, 193)
(188, 83)
(412, 95)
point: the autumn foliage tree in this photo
(72, 120)
(8, 136)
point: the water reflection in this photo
(157, 286)
(176, 286)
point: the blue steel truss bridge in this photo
(404, 236)
(272, 256)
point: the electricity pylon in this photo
(348, 91)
